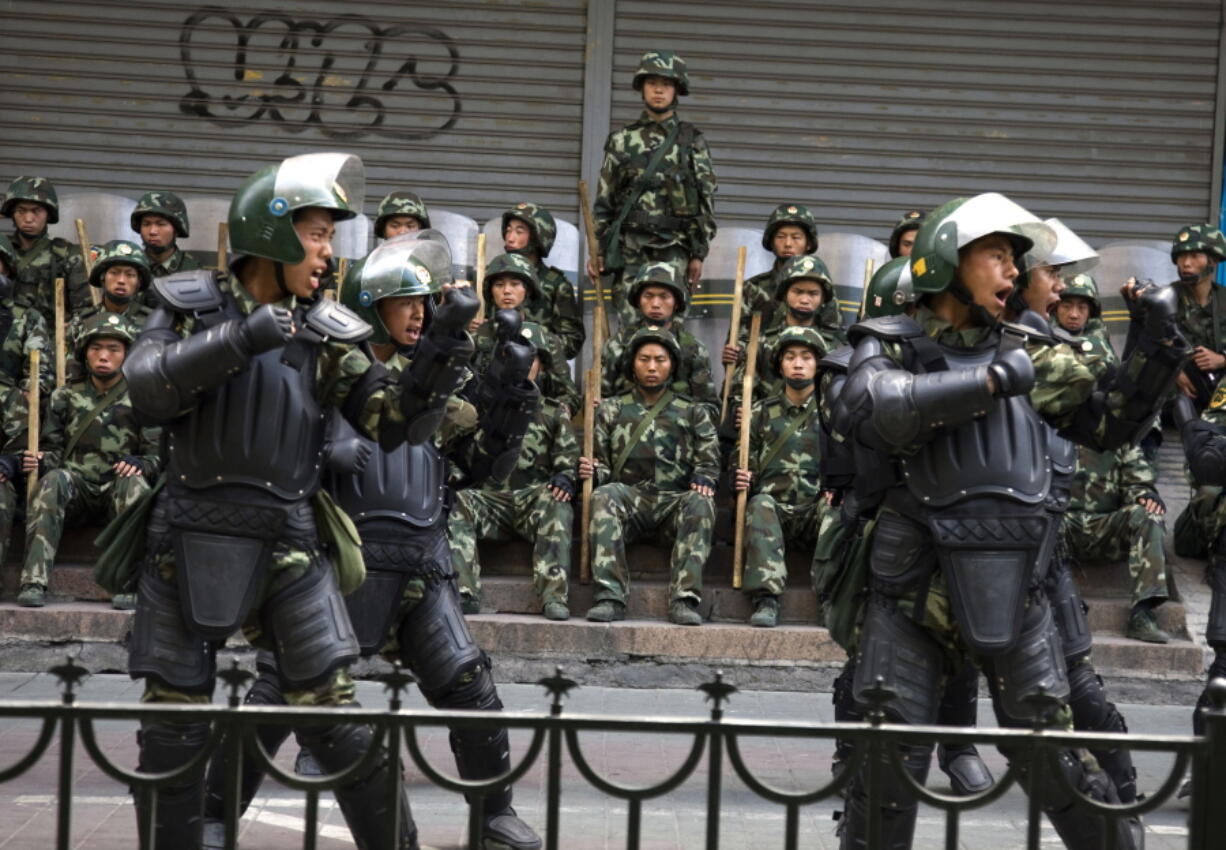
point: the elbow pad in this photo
(166, 373)
(1205, 447)
(1132, 396)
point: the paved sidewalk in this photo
(103, 819)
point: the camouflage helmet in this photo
(166, 204)
(36, 190)
(662, 63)
(658, 274)
(262, 210)
(417, 263)
(540, 223)
(120, 252)
(644, 335)
(401, 203)
(890, 290)
(796, 214)
(513, 264)
(1083, 286)
(957, 223)
(807, 337)
(910, 221)
(8, 255)
(105, 324)
(1194, 237)
(805, 267)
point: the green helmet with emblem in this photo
(516, 265)
(36, 190)
(1083, 286)
(8, 255)
(889, 290)
(262, 210)
(120, 252)
(805, 336)
(417, 263)
(105, 324)
(1199, 237)
(805, 267)
(658, 274)
(957, 223)
(794, 214)
(401, 203)
(540, 223)
(663, 63)
(910, 220)
(643, 336)
(166, 204)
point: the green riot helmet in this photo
(417, 263)
(890, 290)
(1194, 237)
(658, 274)
(262, 211)
(401, 203)
(797, 215)
(663, 63)
(8, 255)
(910, 221)
(540, 222)
(166, 204)
(120, 252)
(36, 190)
(796, 335)
(805, 267)
(1083, 286)
(957, 223)
(656, 334)
(1071, 254)
(105, 324)
(513, 264)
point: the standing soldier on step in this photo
(656, 197)
(32, 204)
(161, 220)
(529, 230)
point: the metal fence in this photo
(556, 734)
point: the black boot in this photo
(482, 754)
(1076, 825)
(179, 815)
(960, 707)
(898, 808)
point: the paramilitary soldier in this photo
(1196, 251)
(659, 301)
(161, 220)
(529, 229)
(233, 538)
(95, 459)
(902, 237)
(657, 459)
(121, 270)
(32, 204)
(969, 384)
(656, 197)
(400, 212)
(407, 608)
(1080, 313)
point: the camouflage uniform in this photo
(1095, 330)
(170, 207)
(135, 312)
(47, 258)
(26, 332)
(673, 220)
(555, 307)
(1105, 521)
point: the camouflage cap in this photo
(662, 63)
(512, 264)
(105, 324)
(1199, 237)
(35, 190)
(8, 254)
(166, 204)
(910, 220)
(643, 336)
(1083, 286)
(789, 336)
(805, 267)
(796, 214)
(658, 274)
(401, 203)
(417, 263)
(540, 222)
(120, 252)
(889, 290)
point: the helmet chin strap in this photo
(980, 314)
(279, 268)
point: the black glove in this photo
(267, 327)
(459, 307)
(9, 464)
(1161, 306)
(702, 481)
(1153, 496)
(509, 323)
(348, 457)
(1013, 372)
(564, 483)
(133, 460)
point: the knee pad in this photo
(1034, 662)
(168, 746)
(162, 645)
(907, 660)
(436, 645)
(310, 628)
(1069, 611)
(1087, 698)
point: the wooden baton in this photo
(223, 245)
(868, 276)
(591, 395)
(593, 253)
(479, 276)
(87, 257)
(734, 330)
(742, 496)
(61, 353)
(33, 425)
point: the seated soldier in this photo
(32, 204)
(534, 503)
(161, 219)
(1080, 313)
(785, 506)
(13, 408)
(96, 459)
(122, 271)
(529, 230)
(657, 457)
(400, 212)
(658, 300)
(510, 284)
(902, 237)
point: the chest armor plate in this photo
(407, 484)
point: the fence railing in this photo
(556, 734)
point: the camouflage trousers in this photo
(771, 527)
(622, 514)
(1131, 532)
(8, 509)
(63, 496)
(531, 513)
(637, 256)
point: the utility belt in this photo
(655, 222)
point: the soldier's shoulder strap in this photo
(837, 360)
(112, 395)
(190, 292)
(335, 322)
(639, 430)
(1033, 326)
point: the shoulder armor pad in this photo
(336, 322)
(837, 360)
(1078, 343)
(885, 328)
(1032, 325)
(189, 292)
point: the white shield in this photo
(106, 215)
(847, 256)
(461, 233)
(1144, 259)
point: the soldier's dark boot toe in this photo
(32, 596)
(505, 831)
(1143, 625)
(966, 770)
(606, 611)
(765, 613)
(684, 612)
(470, 604)
(555, 610)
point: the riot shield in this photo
(846, 255)
(1140, 258)
(205, 213)
(106, 215)
(461, 233)
(352, 239)
(710, 308)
